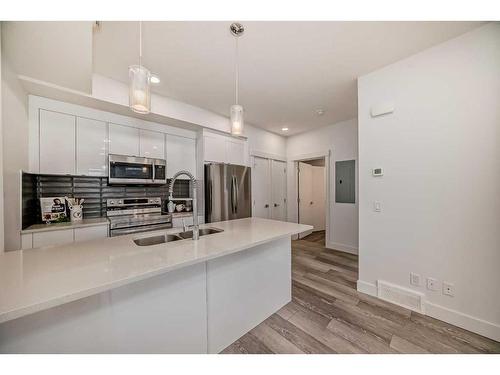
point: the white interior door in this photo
(306, 201)
(318, 193)
(278, 180)
(261, 188)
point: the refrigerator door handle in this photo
(233, 205)
(235, 194)
(209, 198)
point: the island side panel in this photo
(163, 314)
(244, 289)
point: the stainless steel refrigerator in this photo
(228, 193)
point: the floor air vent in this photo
(400, 296)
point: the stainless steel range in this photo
(134, 215)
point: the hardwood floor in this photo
(328, 315)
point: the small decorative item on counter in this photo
(189, 206)
(171, 207)
(180, 207)
(75, 208)
(53, 209)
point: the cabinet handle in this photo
(266, 206)
(276, 205)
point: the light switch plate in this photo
(377, 207)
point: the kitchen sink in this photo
(163, 238)
(203, 232)
(156, 240)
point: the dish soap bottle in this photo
(171, 207)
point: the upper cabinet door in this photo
(91, 147)
(152, 144)
(235, 152)
(123, 140)
(181, 155)
(57, 143)
(214, 148)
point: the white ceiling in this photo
(287, 69)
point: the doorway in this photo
(311, 195)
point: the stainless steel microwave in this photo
(125, 169)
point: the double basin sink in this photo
(163, 238)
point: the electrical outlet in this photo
(448, 289)
(432, 284)
(414, 279)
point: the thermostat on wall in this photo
(377, 172)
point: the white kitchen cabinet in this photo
(54, 237)
(91, 147)
(181, 155)
(235, 152)
(124, 140)
(152, 144)
(57, 143)
(214, 148)
(91, 233)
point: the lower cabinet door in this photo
(55, 237)
(91, 233)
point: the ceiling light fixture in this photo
(320, 111)
(284, 129)
(155, 79)
(236, 111)
(140, 83)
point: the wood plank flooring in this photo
(328, 315)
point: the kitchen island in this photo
(113, 296)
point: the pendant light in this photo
(236, 111)
(139, 83)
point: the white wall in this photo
(342, 140)
(1, 159)
(15, 150)
(264, 143)
(440, 193)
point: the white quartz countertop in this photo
(66, 225)
(37, 279)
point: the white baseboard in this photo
(342, 247)
(367, 288)
(470, 323)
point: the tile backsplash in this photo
(95, 191)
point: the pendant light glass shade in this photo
(236, 119)
(139, 89)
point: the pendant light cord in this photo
(140, 43)
(236, 68)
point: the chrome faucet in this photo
(196, 227)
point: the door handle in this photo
(235, 194)
(276, 205)
(266, 206)
(311, 202)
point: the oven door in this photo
(130, 170)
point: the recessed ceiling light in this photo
(284, 129)
(320, 111)
(155, 79)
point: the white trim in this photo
(457, 318)
(267, 155)
(310, 156)
(468, 322)
(342, 247)
(367, 288)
